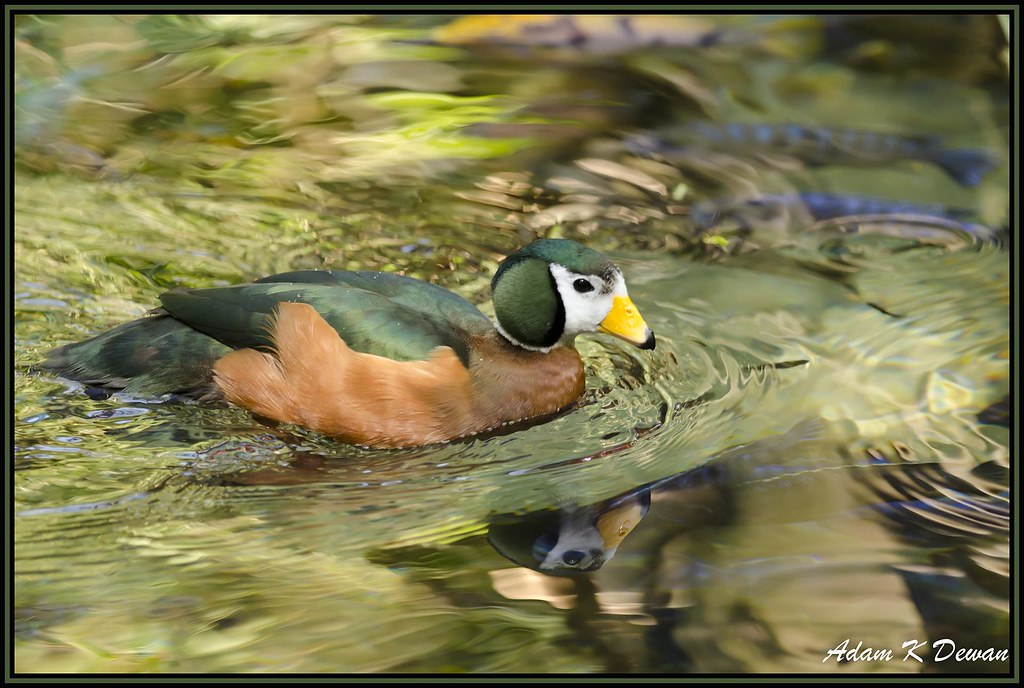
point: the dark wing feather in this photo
(152, 355)
(379, 313)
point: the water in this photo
(817, 450)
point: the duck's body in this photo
(398, 403)
(374, 358)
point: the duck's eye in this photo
(573, 557)
(582, 286)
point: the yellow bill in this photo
(625, 322)
(615, 524)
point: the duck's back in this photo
(174, 348)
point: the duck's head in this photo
(548, 292)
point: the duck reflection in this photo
(584, 538)
(570, 539)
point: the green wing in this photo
(378, 313)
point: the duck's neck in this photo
(515, 383)
(512, 341)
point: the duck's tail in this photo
(153, 355)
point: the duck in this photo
(372, 358)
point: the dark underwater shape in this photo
(817, 146)
(820, 206)
(825, 206)
(914, 218)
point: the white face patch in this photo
(579, 546)
(585, 308)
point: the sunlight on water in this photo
(818, 449)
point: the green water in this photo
(818, 429)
